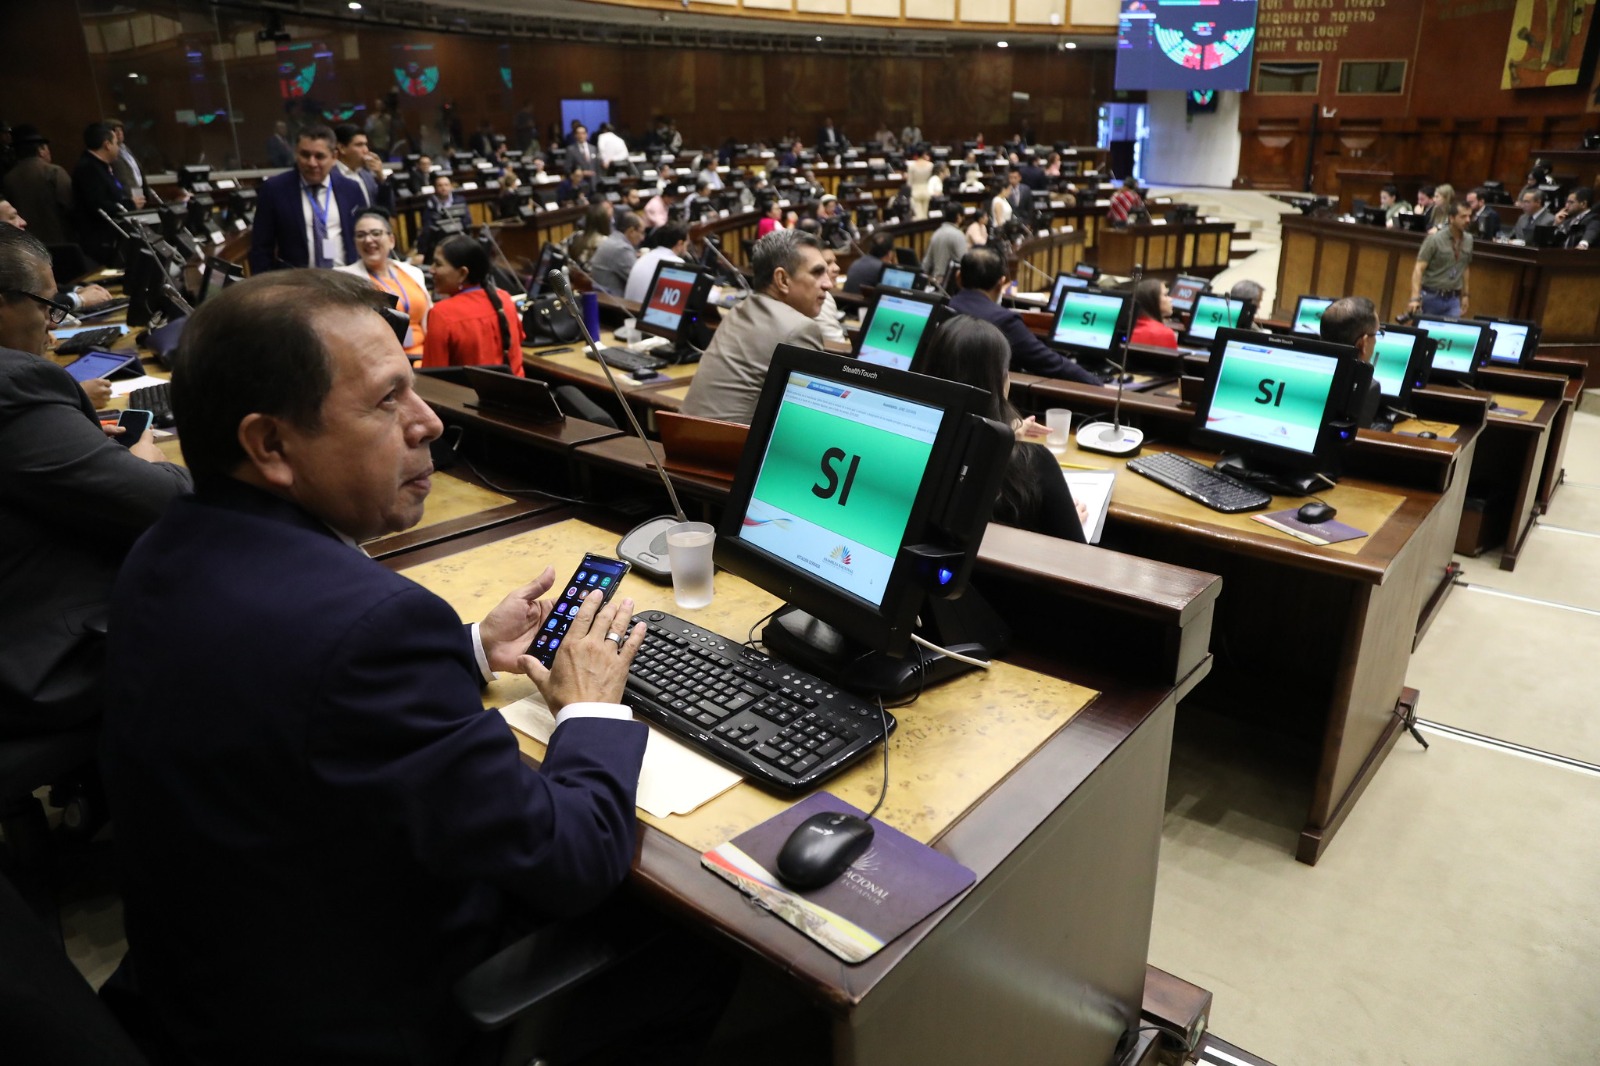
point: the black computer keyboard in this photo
(112, 307)
(777, 725)
(79, 343)
(1199, 482)
(628, 359)
(157, 399)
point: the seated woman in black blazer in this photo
(1033, 495)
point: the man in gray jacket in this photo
(791, 281)
(613, 261)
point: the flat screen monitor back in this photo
(1308, 314)
(1515, 341)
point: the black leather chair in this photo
(26, 765)
(49, 1015)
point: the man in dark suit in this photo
(1485, 219)
(1534, 214)
(442, 206)
(830, 142)
(582, 159)
(360, 165)
(983, 278)
(1353, 321)
(280, 153)
(39, 189)
(96, 190)
(306, 216)
(314, 847)
(1020, 197)
(1576, 223)
(72, 502)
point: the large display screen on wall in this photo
(1185, 44)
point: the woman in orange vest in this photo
(375, 244)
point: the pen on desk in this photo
(556, 351)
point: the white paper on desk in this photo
(143, 381)
(1092, 488)
(675, 779)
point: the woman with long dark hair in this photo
(1033, 494)
(474, 323)
(596, 228)
(1152, 306)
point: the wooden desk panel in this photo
(1335, 628)
(1096, 788)
(1556, 287)
(1197, 247)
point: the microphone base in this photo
(645, 546)
(1124, 440)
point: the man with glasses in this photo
(306, 216)
(72, 502)
(1353, 321)
(82, 298)
(375, 245)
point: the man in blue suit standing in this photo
(306, 216)
(319, 827)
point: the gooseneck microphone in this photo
(1048, 279)
(710, 240)
(1112, 438)
(645, 545)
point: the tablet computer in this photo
(91, 365)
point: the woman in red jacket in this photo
(474, 323)
(1152, 306)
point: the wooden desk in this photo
(1575, 371)
(574, 367)
(1333, 627)
(1556, 287)
(948, 990)
(519, 449)
(1514, 460)
(1192, 248)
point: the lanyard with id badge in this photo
(319, 212)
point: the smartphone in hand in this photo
(595, 572)
(134, 422)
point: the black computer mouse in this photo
(821, 848)
(1314, 512)
(1428, 434)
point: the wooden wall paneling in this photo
(1496, 288)
(1567, 308)
(1370, 274)
(672, 86)
(1295, 265)
(1472, 158)
(1397, 283)
(1333, 269)
(1170, 254)
(1273, 155)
